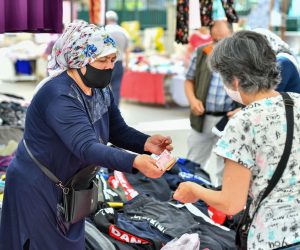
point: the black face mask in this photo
(95, 78)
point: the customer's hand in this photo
(147, 165)
(197, 107)
(233, 112)
(185, 192)
(156, 144)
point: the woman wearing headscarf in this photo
(289, 67)
(69, 122)
(253, 143)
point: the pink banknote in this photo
(165, 160)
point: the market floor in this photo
(152, 119)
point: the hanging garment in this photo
(36, 16)
(218, 11)
(230, 12)
(182, 22)
(94, 11)
(259, 16)
(194, 14)
(206, 11)
(206, 7)
(276, 15)
(294, 8)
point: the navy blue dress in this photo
(290, 77)
(60, 135)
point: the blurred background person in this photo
(207, 97)
(122, 40)
(200, 36)
(289, 67)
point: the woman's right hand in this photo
(147, 165)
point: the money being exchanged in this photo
(165, 161)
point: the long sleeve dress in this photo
(60, 135)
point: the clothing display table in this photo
(143, 87)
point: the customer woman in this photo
(69, 122)
(253, 143)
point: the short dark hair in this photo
(247, 56)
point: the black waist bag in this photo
(243, 229)
(80, 193)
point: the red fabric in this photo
(128, 189)
(216, 215)
(198, 40)
(143, 87)
(124, 236)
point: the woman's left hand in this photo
(156, 144)
(233, 112)
(185, 192)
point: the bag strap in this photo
(45, 170)
(288, 103)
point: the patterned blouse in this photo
(255, 138)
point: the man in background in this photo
(200, 36)
(121, 38)
(207, 97)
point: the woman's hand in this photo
(185, 192)
(233, 112)
(147, 165)
(156, 144)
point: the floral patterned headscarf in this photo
(280, 47)
(277, 44)
(80, 44)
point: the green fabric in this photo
(202, 82)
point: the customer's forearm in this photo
(190, 90)
(217, 200)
